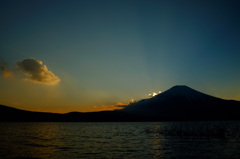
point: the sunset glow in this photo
(61, 56)
(119, 79)
(154, 94)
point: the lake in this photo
(45, 140)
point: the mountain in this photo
(176, 104)
(12, 114)
(9, 114)
(185, 103)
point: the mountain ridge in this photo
(175, 104)
(184, 102)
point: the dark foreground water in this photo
(108, 140)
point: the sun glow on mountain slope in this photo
(154, 94)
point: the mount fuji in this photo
(176, 104)
(185, 103)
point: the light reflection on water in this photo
(106, 140)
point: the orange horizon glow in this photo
(63, 109)
(7, 74)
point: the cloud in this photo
(117, 106)
(104, 108)
(4, 69)
(37, 72)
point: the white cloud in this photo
(37, 72)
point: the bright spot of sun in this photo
(132, 101)
(154, 94)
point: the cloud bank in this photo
(4, 69)
(117, 106)
(37, 72)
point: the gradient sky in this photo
(97, 53)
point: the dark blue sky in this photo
(105, 52)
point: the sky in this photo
(91, 55)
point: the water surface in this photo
(107, 140)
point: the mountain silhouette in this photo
(185, 103)
(176, 104)
(9, 114)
